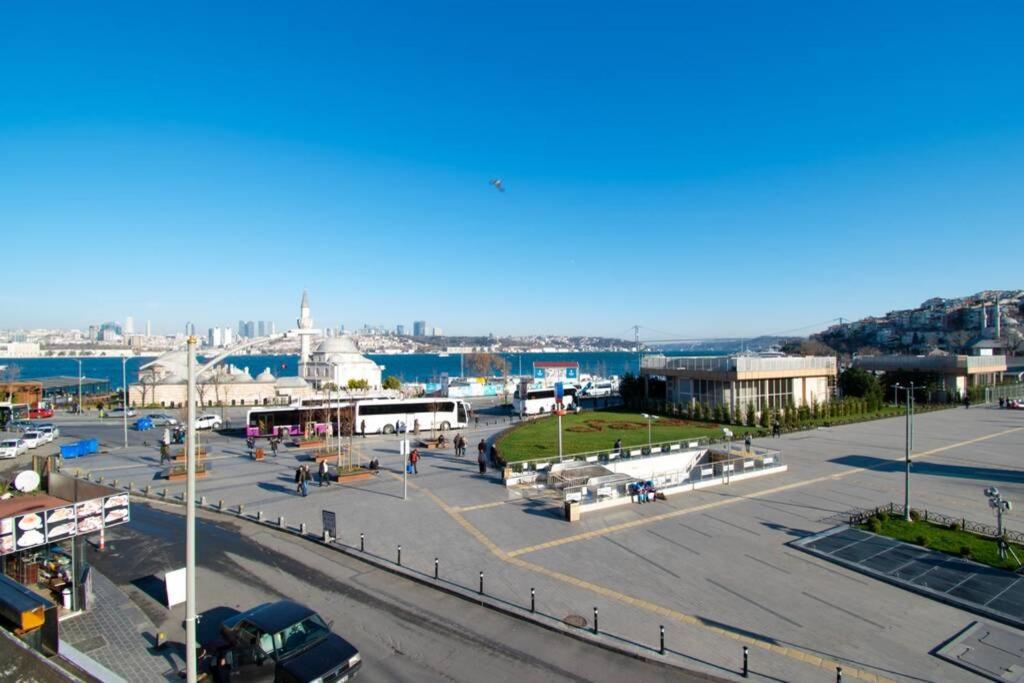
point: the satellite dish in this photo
(26, 481)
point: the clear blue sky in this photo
(701, 169)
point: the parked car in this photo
(283, 642)
(33, 439)
(53, 427)
(47, 433)
(208, 421)
(21, 426)
(37, 413)
(12, 448)
(119, 412)
(162, 419)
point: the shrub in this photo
(922, 541)
(954, 526)
(883, 516)
(875, 525)
(915, 516)
(965, 552)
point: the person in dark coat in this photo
(481, 458)
(324, 472)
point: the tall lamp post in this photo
(124, 396)
(650, 419)
(191, 644)
(908, 446)
(79, 386)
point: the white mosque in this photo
(323, 362)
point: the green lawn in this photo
(598, 430)
(983, 549)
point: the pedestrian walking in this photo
(165, 453)
(362, 428)
(776, 429)
(273, 445)
(481, 448)
(298, 479)
(304, 483)
(618, 444)
(481, 458)
(494, 455)
(416, 427)
(414, 458)
(747, 441)
(250, 443)
(460, 445)
(324, 473)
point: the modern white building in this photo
(741, 380)
(955, 373)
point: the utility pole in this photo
(636, 343)
(190, 515)
(908, 446)
(124, 397)
(79, 386)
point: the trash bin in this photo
(65, 597)
(572, 511)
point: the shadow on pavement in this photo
(152, 586)
(932, 468)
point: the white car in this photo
(162, 420)
(52, 427)
(208, 422)
(12, 448)
(47, 433)
(33, 439)
(119, 412)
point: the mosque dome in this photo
(336, 345)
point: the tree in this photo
(751, 415)
(631, 389)
(392, 382)
(486, 364)
(358, 384)
(808, 347)
(857, 383)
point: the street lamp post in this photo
(124, 396)
(79, 386)
(908, 446)
(650, 419)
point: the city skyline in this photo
(668, 166)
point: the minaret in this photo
(305, 325)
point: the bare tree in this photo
(487, 364)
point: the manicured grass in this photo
(598, 430)
(983, 549)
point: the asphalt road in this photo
(405, 631)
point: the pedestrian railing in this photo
(603, 456)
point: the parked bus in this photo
(382, 416)
(539, 401)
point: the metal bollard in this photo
(595, 621)
(327, 536)
(481, 583)
(241, 509)
(746, 670)
(163, 492)
(115, 483)
(280, 522)
(220, 505)
(533, 601)
(202, 501)
(661, 650)
(148, 489)
(131, 486)
(839, 674)
(362, 542)
(399, 554)
(259, 515)
(435, 569)
(302, 528)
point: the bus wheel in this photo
(445, 426)
(389, 429)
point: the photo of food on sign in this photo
(6, 544)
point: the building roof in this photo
(66, 382)
(556, 364)
(334, 345)
(291, 383)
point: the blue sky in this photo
(700, 169)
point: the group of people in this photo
(303, 476)
(460, 446)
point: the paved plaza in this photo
(714, 567)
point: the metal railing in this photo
(597, 489)
(931, 363)
(858, 517)
(739, 363)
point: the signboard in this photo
(330, 523)
(538, 373)
(174, 584)
(559, 392)
(61, 523)
(570, 373)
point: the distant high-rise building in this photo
(241, 328)
(436, 332)
(214, 338)
(400, 330)
(419, 328)
(190, 329)
(271, 327)
(94, 332)
(149, 328)
(129, 325)
(227, 336)
(261, 329)
(250, 329)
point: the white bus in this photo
(382, 416)
(386, 416)
(539, 401)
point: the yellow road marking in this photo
(791, 652)
(596, 533)
(482, 506)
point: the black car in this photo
(284, 642)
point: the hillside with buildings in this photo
(980, 324)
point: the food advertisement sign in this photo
(60, 523)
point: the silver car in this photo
(12, 448)
(33, 439)
(163, 420)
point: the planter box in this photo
(178, 472)
(310, 444)
(349, 477)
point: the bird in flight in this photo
(499, 184)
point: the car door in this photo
(252, 656)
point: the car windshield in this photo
(300, 635)
(31, 435)
(8, 444)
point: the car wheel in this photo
(388, 429)
(445, 426)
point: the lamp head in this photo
(991, 492)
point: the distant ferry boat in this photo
(443, 354)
